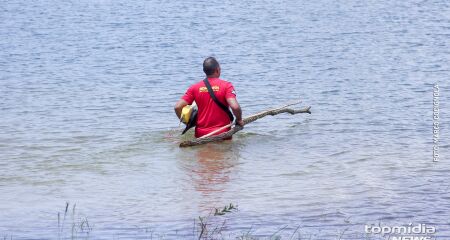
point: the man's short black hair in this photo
(210, 65)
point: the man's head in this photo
(211, 67)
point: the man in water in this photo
(210, 116)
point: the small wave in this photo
(338, 153)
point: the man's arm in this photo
(237, 111)
(179, 106)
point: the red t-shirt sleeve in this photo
(189, 95)
(230, 92)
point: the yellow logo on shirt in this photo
(205, 89)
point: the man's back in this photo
(210, 115)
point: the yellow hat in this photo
(189, 116)
(186, 113)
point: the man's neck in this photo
(213, 76)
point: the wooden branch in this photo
(246, 120)
(217, 130)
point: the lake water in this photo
(87, 91)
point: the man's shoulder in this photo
(225, 82)
(197, 84)
(220, 81)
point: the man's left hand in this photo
(240, 123)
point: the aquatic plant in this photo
(226, 209)
(78, 226)
(205, 231)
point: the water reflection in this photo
(209, 169)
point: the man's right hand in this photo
(179, 107)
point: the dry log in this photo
(247, 120)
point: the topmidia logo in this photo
(409, 232)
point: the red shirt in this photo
(210, 116)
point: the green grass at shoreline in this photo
(214, 226)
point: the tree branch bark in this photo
(247, 120)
